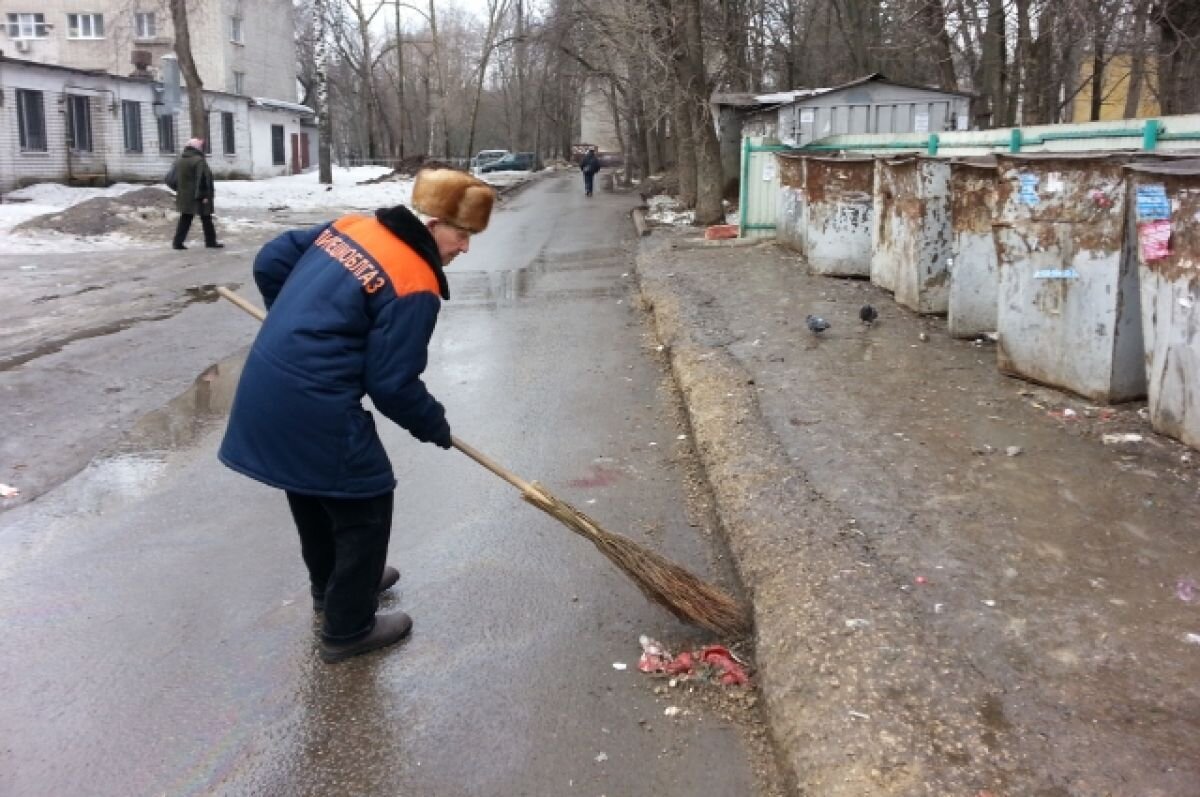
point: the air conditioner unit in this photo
(23, 45)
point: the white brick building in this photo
(72, 125)
(244, 47)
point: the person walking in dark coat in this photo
(352, 304)
(589, 166)
(194, 194)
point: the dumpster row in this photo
(1085, 267)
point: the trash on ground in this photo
(1066, 414)
(1192, 639)
(988, 603)
(1117, 439)
(858, 715)
(1187, 590)
(672, 711)
(600, 759)
(720, 232)
(857, 623)
(620, 666)
(1014, 451)
(712, 664)
(8, 491)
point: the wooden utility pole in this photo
(197, 114)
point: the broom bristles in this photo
(687, 597)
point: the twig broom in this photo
(687, 597)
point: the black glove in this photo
(441, 436)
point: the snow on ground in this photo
(304, 192)
(297, 192)
(293, 192)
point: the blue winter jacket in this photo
(352, 306)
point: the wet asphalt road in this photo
(158, 638)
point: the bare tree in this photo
(197, 113)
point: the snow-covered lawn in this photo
(304, 192)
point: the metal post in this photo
(1014, 143)
(1150, 134)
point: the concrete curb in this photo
(887, 710)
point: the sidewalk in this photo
(959, 589)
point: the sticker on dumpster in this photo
(921, 122)
(1028, 193)
(1056, 274)
(1152, 203)
(1054, 183)
(769, 171)
(1155, 237)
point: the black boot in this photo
(388, 630)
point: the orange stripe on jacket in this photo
(407, 270)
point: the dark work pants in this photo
(185, 224)
(588, 179)
(344, 543)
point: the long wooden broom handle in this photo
(250, 308)
(478, 456)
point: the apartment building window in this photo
(79, 123)
(235, 30)
(31, 120)
(278, 154)
(27, 26)
(227, 132)
(239, 82)
(166, 135)
(85, 26)
(145, 25)
(131, 118)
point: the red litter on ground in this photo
(712, 663)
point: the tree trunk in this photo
(685, 153)
(403, 112)
(324, 115)
(1178, 55)
(197, 113)
(1137, 61)
(933, 23)
(993, 68)
(1097, 104)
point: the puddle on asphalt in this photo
(189, 416)
(134, 466)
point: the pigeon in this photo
(816, 324)
(868, 314)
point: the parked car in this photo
(486, 156)
(517, 162)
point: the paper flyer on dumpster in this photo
(1155, 238)
(1029, 185)
(1152, 203)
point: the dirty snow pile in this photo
(142, 209)
(663, 209)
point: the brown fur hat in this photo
(455, 197)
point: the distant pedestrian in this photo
(589, 166)
(194, 195)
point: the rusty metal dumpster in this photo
(791, 230)
(974, 285)
(1068, 314)
(1165, 207)
(911, 232)
(839, 204)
